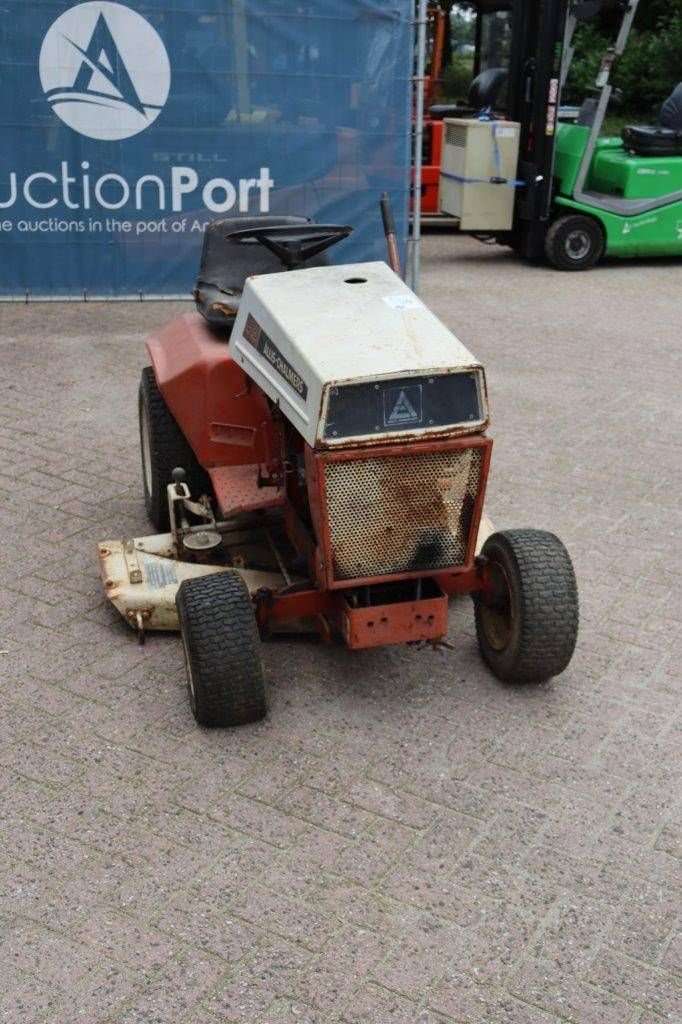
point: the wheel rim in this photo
(496, 608)
(578, 244)
(145, 441)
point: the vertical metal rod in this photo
(241, 59)
(418, 137)
(389, 234)
(606, 88)
(278, 557)
(568, 51)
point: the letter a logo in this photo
(104, 70)
(404, 406)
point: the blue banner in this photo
(126, 128)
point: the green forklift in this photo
(573, 196)
(618, 197)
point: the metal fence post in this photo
(418, 137)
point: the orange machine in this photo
(314, 456)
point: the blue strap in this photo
(486, 114)
(496, 150)
(510, 182)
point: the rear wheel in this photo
(220, 641)
(163, 447)
(574, 242)
(527, 621)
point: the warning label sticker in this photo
(159, 572)
(403, 301)
(403, 406)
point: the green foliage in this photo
(613, 124)
(648, 70)
(457, 77)
(646, 73)
(463, 29)
(650, 12)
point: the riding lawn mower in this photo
(315, 457)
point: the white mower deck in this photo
(141, 577)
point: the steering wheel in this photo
(295, 244)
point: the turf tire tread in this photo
(548, 607)
(221, 638)
(169, 448)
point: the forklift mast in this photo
(538, 39)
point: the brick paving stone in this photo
(463, 999)
(124, 939)
(541, 983)
(202, 1015)
(375, 852)
(37, 895)
(52, 959)
(24, 998)
(287, 1011)
(444, 895)
(174, 991)
(342, 969)
(648, 1018)
(403, 840)
(375, 1005)
(571, 933)
(210, 926)
(424, 953)
(642, 927)
(327, 812)
(98, 995)
(672, 958)
(656, 989)
(255, 982)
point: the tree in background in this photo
(458, 63)
(651, 65)
(646, 73)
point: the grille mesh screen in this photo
(405, 513)
(456, 135)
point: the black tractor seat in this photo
(225, 265)
(652, 140)
(664, 139)
(483, 95)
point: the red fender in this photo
(225, 417)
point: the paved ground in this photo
(404, 839)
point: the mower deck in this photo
(141, 577)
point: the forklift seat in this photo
(652, 140)
(437, 111)
(225, 265)
(664, 139)
(483, 93)
(486, 87)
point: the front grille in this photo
(456, 135)
(401, 513)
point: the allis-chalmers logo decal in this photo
(263, 343)
(104, 70)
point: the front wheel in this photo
(527, 617)
(574, 242)
(220, 641)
